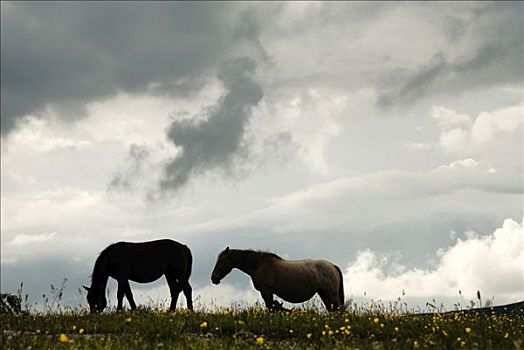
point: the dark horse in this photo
(295, 281)
(143, 263)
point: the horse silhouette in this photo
(142, 262)
(294, 281)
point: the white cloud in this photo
(460, 135)
(23, 239)
(464, 163)
(491, 126)
(208, 297)
(312, 119)
(226, 295)
(54, 207)
(492, 264)
(449, 119)
(42, 136)
(417, 146)
(390, 197)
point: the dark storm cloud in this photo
(217, 140)
(64, 55)
(497, 60)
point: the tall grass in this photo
(375, 325)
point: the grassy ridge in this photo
(257, 329)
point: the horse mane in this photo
(100, 264)
(255, 257)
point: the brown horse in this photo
(143, 263)
(295, 281)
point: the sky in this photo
(386, 137)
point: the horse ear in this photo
(86, 288)
(227, 250)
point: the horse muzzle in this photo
(215, 280)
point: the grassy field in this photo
(256, 328)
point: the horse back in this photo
(158, 256)
(296, 280)
(315, 272)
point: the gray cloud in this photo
(497, 59)
(216, 141)
(123, 179)
(65, 55)
(454, 28)
(62, 56)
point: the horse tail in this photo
(340, 287)
(189, 262)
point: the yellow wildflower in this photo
(376, 320)
(81, 331)
(309, 335)
(506, 335)
(382, 325)
(128, 319)
(74, 327)
(346, 320)
(467, 330)
(445, 333)
(462, 343)
(260, 340)
(63, 338)
(203, 324)
(415, 344)
(396, 329)
(330, 332)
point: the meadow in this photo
(375, 326)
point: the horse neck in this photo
(100, 274)
(100, 284)
(247, 261)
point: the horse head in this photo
(223, 266)
(96, 300)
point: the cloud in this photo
(493, 264)
(417, 146)
(215, 142)
(313, 118)
(54, 208)
(227, 295)
(57, 58)
(204, 298)
(23, 239)
(44, 136)
(138, 154)
(381, 199)
(460, 134)
(492, 57)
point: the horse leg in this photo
(268, 300)
(128, 293)
(330, 299)
(186, 287)
(174, 290)
(120, 295)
